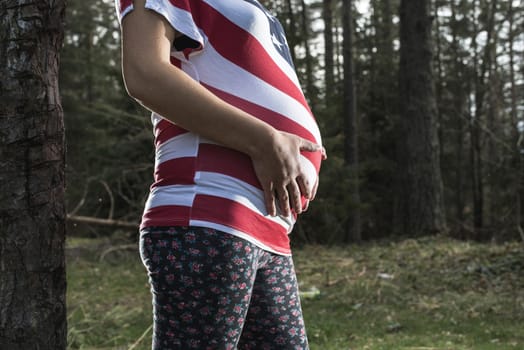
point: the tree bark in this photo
(32, 214)
(353, 228)
(420, 197)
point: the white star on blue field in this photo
(278, 37)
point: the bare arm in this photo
(158, 85)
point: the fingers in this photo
(306, 206)
(295, 197)
(269, 199)
(303, 185)
(290, 197)
(324, 153)
(309, 146)
(283, 200)
(314, 191)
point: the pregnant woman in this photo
(237, 158)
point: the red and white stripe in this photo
(201, 183)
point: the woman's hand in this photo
(281, 174)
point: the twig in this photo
(139, 340)
(519, 228)
(102, 222)
(111, 199)
(116, 248)
(82, 201)
(121, 193)
(337, 281)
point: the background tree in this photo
(32, 215)
(353, 230)
(329, 66)
(421, 208)
(517, 140)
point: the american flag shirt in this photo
(238, 51)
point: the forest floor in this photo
(432, 293)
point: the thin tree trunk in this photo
(495, 91)
(32, 215)
(310, 85)
(89, 71)
(474, 131)
(516, 139)
(440, 79)
(475, 125)
(458, 114)
(338, 50)
(291, 31)
(421, 198)
(327, 15)
(388, 54)
(492, 120)
(353, 229)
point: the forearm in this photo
(168, 91)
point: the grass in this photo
(426, 294)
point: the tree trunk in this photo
(353, 229)
(388, 54)
(440, 80)
(459, 93)
(420, 198)
(291, 31)
(32, 215)
(382, 61)
(338, 49)
(492, 120)
(475, 125)
(327, 15)
(516, 139)
(308, 59)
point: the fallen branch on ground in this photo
(102, 222)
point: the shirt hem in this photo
(219, 227)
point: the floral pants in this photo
(213, 290)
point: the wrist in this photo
(261, 141)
